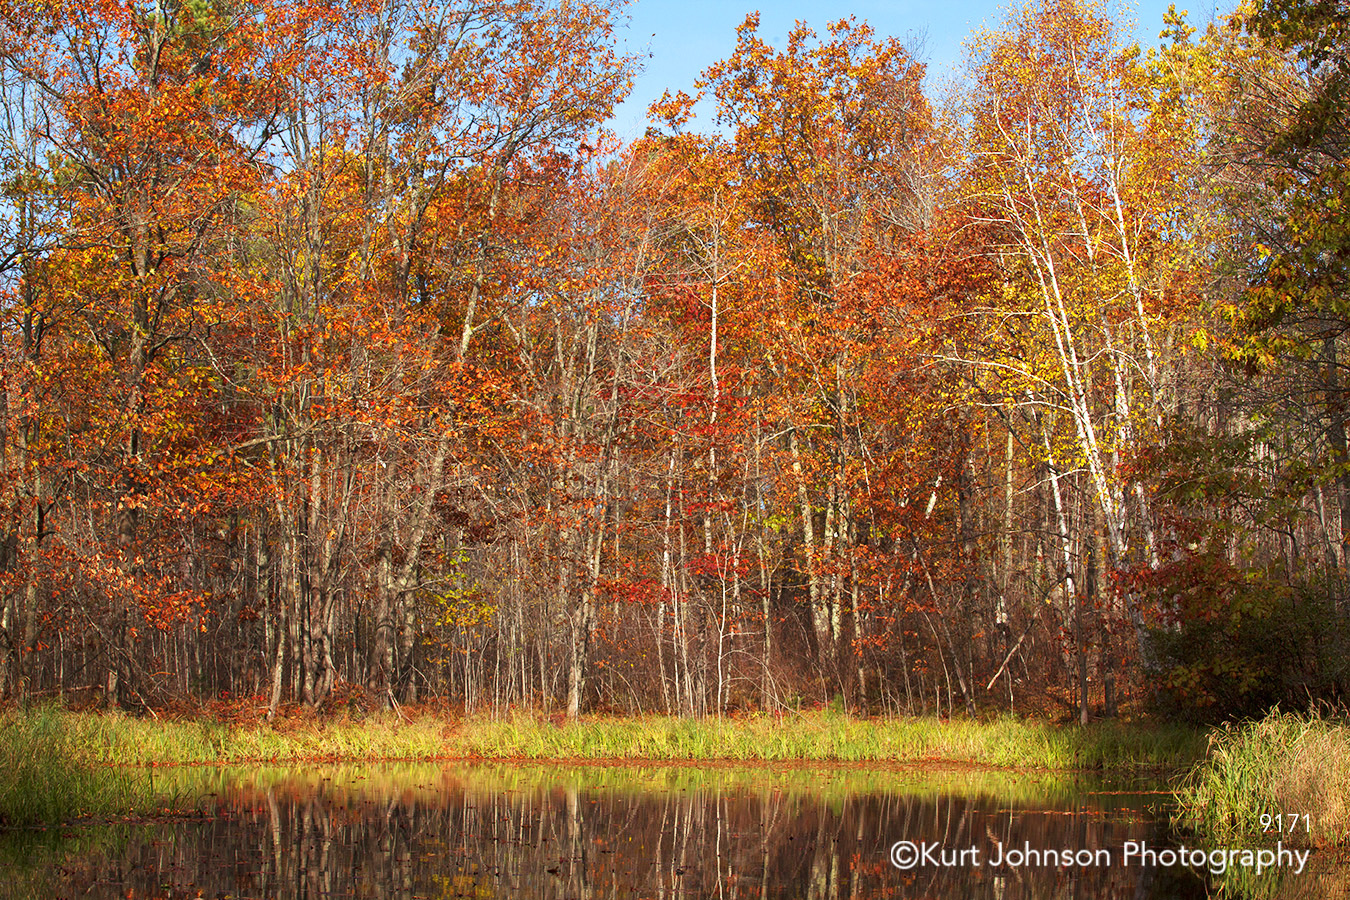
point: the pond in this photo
(659, 831)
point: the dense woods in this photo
(347, 359)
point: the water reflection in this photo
(597, 832)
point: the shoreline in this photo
(57, 764)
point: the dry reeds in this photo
(1286, 776)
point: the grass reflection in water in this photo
(585, 830)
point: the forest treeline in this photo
(347, 359)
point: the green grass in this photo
(835, 738)
(1284, 764)
(47, 777)
(822, 737)
(127, 740)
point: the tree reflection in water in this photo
(593, 832)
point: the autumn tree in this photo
(1253, 490)
(149, 122)
(826, 138)
(1081, 166)
(397, 206)
(1280, 86)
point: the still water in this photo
(668, 832)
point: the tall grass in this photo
(126, 740)
(822, 736)
(47, 777)
(1282, 765)
(832, 737)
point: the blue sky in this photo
(683, 37)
